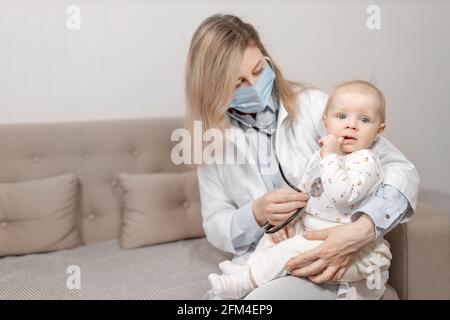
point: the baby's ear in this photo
(380, 130)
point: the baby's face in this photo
(355, 117)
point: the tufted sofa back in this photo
(96, 152)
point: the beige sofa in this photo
(96, 152)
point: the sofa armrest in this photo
(421, 255)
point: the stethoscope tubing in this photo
(268, 228)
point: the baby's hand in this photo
(283, 234)
(330, 144)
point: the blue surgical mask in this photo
(254, 98)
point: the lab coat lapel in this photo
(280, 135)
(250, 161)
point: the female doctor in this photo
(232, 83)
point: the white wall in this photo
(127, 61)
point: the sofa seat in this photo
(175, 270)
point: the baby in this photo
(340, 176)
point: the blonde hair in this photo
(212, 68)
(360, 86)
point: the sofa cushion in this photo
(38, 216)
(175, 270)
(160, 207)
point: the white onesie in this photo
(337, 184)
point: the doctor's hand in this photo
(329, 261)
(278, 205)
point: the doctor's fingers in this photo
(285, 207)
(305, 259)
(327, 275)
(315, 268)
(284, 195)
(278, 218)
(338, 275)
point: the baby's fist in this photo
(330, 144)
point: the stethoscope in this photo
(268, 228)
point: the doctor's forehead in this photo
(251, 59)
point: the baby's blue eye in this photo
(341, 116)
(365, 120)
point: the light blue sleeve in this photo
(387, 207)
(244, 228)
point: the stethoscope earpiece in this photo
(269, 62)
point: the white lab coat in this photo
(227, 187)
